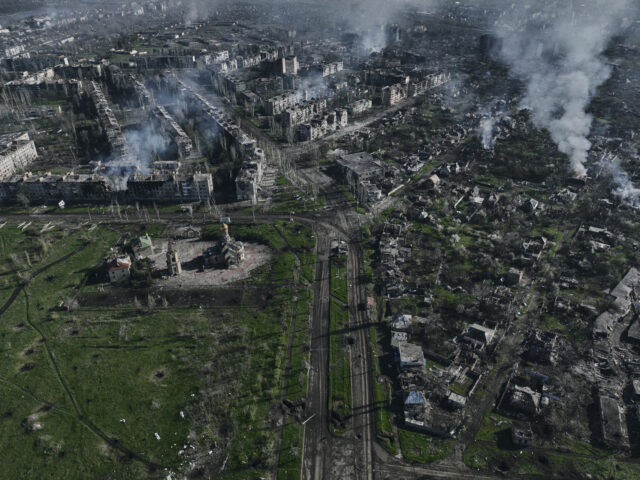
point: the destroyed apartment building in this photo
(170, 126)
(110, 125)
(623, 296)
(361, 171)
(17, 152)
(93, 188)
(233, 140)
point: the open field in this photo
(145, 386)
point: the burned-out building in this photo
(540, 347)
(622, 296)
(521, 434)
(477, 336)
(165, 187)
(359, 167)
(612, 424)
(72, 188)
(181, 140)
(108, 121)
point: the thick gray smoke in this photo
(556, 49)
(369, 18)
(144, 146)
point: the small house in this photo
(521, 434)
(119, 269)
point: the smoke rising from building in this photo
(144, 146)
(623, 187)
(556, 49)
(486, 132)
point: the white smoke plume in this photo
(623, 188)
(144, 146)
(556, 49)
(486, 132)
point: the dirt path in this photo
(44, 268)
(287, 371)
(112, 442)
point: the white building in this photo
(17, 151)
(119, 269)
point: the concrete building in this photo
(322, 125)
(278, 104)
(174, 267)
(303, 113)
(165, 187)
(108, 121)
(119, 269)
(410, 356)
(393, 94)
(360, 106)
(291, 65)
(17, 152)
(430, 81)
(71, 188)
(171, 127)
(524, 400)
(478, 336)
(360, 166)
(622, 297)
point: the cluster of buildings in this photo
(235, 141)
(434, 389)
(322, 125)
(300, 113)
(276, 105)
(623, 297)
(326, 69)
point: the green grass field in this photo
(340, 401)
(86, 391)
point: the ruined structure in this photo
(227, 253)
(17, 152)
(170, 126)
(174, 267)
(110, 124)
